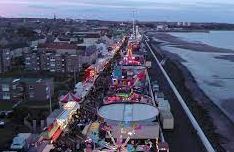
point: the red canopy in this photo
(69, 97)
(56, 135)
(50, 127)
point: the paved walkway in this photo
(183, 138)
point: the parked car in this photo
(2, 115)
(21, 142)
(2, 123)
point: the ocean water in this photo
(213, 74)
(220, 39)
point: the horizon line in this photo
(168, 21)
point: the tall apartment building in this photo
(60, 59)
(5, 60)
(36, 89)
(32, 61)
(52, 62)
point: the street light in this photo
(50, 99)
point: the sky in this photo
(145, 10)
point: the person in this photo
(78, 145)
(88, 148)
(130, 148)
(148, 145)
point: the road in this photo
(183, 138)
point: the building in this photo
(18, 52)
(61, 61)
(89, 38)
(103, 30)
(90, 55)
(66, 40)
(32, 61)
(183, 24)
(38, 42)
(59, 47)
(5, 60)
(162, 27)
(51, 61)
(72, 63)
(52, 117)
(36, 89)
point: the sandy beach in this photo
(226, 57)
(175, 41)
(217, 126)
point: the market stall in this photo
(68, 97)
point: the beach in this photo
(216, 124)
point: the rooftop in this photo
(88, 34)
(128, 112)
(55, 113)
(26, 80)
(59, 45)
(89, 50)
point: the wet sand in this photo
(226, 57)
(217, 126)
(177, 42)
(221, 124)
(183, 137)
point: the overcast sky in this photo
(148, 10)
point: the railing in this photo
(195, 124)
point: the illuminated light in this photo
(130, 133)
(89, 140)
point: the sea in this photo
(213, 71)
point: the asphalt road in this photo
(183, 138)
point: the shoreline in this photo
(221, 124)
(216, 125)
(218, 53)
(195, 46)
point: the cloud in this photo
(189, 10)
(121, 4)
(41, 6)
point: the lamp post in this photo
(74, 70)
(50, 99)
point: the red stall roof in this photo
(69, 97)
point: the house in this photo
(37, 89)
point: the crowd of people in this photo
(72, 138)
